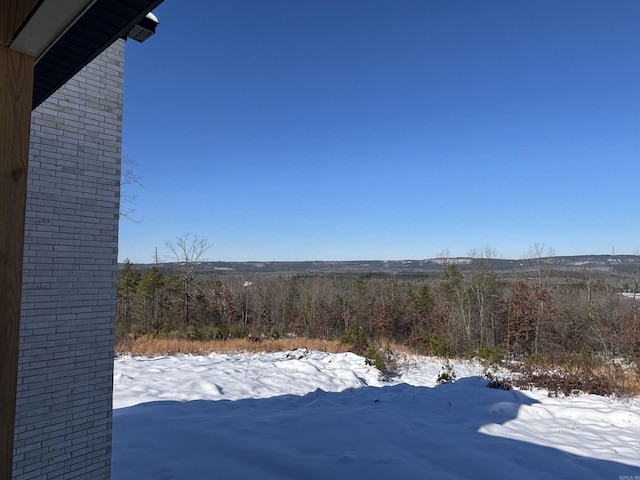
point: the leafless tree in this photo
(128, 180)
(538, 254)
(483, 286)
(188, 251)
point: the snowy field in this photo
(314, 415)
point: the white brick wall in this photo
(63, 417)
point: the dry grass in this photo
(149, 346)
(633, 382)
(626, 379)
(610, 379)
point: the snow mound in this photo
(315, 415)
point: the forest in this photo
(534, 312)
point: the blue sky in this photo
(352, 129)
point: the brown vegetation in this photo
(580, 376)
(149, 346)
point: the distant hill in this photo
(626, 264)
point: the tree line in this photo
(529, 313)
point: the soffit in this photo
(65, 35)
(101, 25)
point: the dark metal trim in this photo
(104, 23)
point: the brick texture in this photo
(63, 417)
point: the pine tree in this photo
(127, 284)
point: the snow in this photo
(634, 295)
(315, 415)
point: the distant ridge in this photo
(607, 263)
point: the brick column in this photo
(63, 418)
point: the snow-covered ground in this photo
(315, 415)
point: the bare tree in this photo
(129, 179)
(540, 254)
(483, 287)
(188, 251)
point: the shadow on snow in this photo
(397, 431)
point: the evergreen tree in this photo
(127, 284)
(148, 299)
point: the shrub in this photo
(491, 356)
(274, 334)
(439, 347)
(222, 332)
(497, 382)
(447, 374)
(356, 337)
(579, 374)
(192, 333)
(381, 358)
(374, 358)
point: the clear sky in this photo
(395, 129)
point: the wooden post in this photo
(16, 90)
